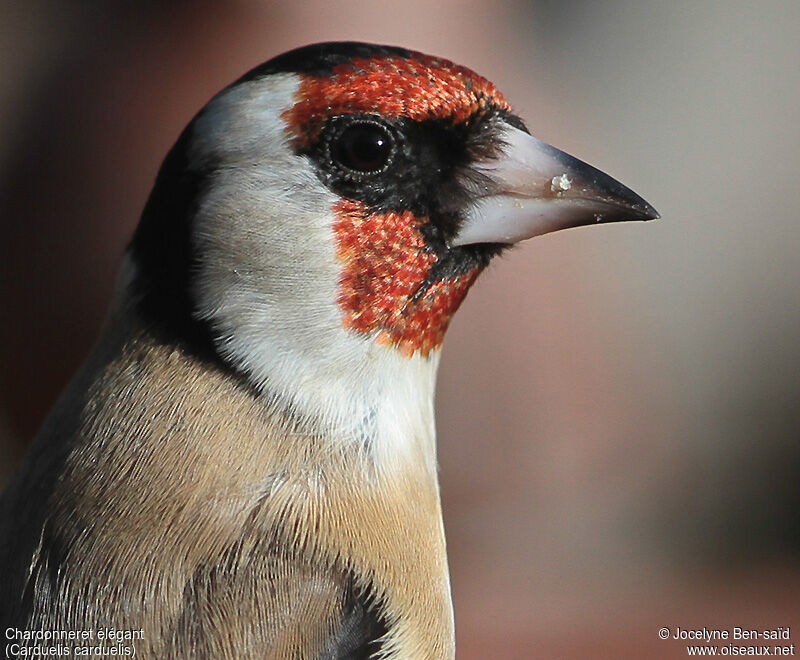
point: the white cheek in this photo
(268, 283)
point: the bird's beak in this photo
(533, 189)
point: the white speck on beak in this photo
(560, 183)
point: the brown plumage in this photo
(267, 533)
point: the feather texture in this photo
(220, 531)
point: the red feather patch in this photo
(419, 88)
(385, 261)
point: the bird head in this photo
(318, 223)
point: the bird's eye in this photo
(363, 147)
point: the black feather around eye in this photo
(423, 167)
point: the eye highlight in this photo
(363, 146)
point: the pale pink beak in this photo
(535, 189)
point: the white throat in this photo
(269, 286)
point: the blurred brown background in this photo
(618, 406)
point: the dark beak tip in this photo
(627, 211)
(638, 208)
(651, 214)
(605, 189)
(648, 213)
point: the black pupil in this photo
(363, 147)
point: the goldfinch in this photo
(245, 467)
